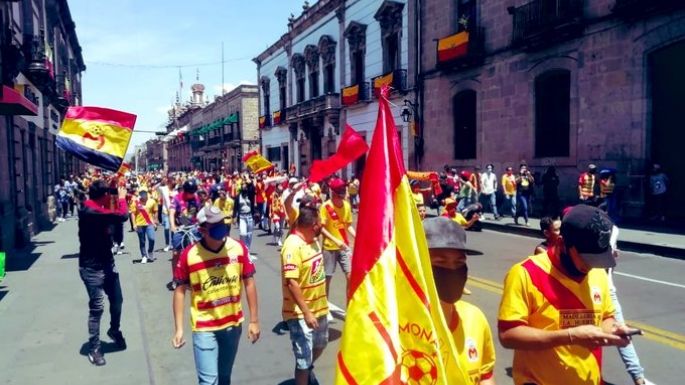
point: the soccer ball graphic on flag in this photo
(418, 368)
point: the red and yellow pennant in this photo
(453, 46)
(382, 81)
(277, 117)
(256, 162)
(125, 167)
(393, 315)
(262, 121)
(350, 95)
(96, 135)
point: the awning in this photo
(14, 103)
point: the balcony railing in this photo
(312, 107)
(640, 8)
(461, 49)
(354, 94)
(543, 22)
(396, 79)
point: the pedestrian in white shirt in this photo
(488, 189)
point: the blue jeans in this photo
(523, 203)
(98, 284)
(167, 231)
(628, 354)
(214, 355)
(511, 200)
(149, 233)
(264, 222)
(246, 227)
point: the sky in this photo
(133, 50)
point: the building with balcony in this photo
(213, 136)
(320, 75)
(556, 82)
(40, 70)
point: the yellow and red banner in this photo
(277, 117)
(382, 81)
(262, 121)
(125, 167)
(99, 136)
(350, 95)
(256, 162)
(453, 46)
(395, 332)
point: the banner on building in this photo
(453, 46)
(96, 135)
(350, 95)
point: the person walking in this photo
(607, 193)
(225, 204)
(488, 188)
(184, 209)
(277, 216)
(586, 185)
(305, 305)
(524, 190)
(509, 190)
(210, 270)
(144, 215)
(245, 211)
(467, 191)
(164, 193)
(550, 192)
(658, 187)
(62, 199)
(96, 263)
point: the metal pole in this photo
(222, 69)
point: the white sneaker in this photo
(280, 243)
(167, 248)
(121, 246)
(253, 257)
(143, 260)
(648, 382)
(329, 317)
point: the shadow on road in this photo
(21, 262)
(105, 347)
(3, 293)
(70, 256)
(333, 334)
(288, 382)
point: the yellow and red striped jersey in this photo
(539, 295)
(473, 340)
(303, 262)
(215, 280)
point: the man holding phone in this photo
(556, 311)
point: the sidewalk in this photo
(641, 241)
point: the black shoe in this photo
(171, 286)
(312, 377)
(118, 338)
(96, 358)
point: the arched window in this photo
(311, 55)
(327, 52)
(282, 77)
(389, 16)
(298, 64)
(356, 37)
(465, 138)
(266, 94)
(553, 114)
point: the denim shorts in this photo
(305, 340)
(333, 257)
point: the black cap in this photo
(444, 233)
(588, 229)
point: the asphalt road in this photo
(43, 310)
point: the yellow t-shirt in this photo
(353, 187)
(473, 340)
(418, 198)
(509, 184)
(214, 279)
(537, 294)
(226, 206)
(303, 262)
(461, 221)
(139, 210)
(336, 227)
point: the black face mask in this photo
(569, 266)
(450, 282)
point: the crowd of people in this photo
(559, 307)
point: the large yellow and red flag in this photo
(394, 332)
(96, 135)
(256, 162)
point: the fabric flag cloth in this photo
(96, 135)
(395, 332)
(352, 146)
(125, 167)
(256, 162)
(453, 47)
(431, 176)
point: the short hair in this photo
(98, 189)
(308, 216)
(546, 222)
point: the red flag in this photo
(352, 146)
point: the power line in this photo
(163, 66)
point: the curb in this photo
(643, 248)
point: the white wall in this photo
(279, 58)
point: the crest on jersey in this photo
(471, 349)
(596, 295)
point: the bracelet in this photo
(570, 338)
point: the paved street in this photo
(43, 309)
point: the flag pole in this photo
(222, 69)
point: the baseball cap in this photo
(210, 214)
(589, 229)
(444, 233)
(450, 202)
(293, 180)
(337, 184)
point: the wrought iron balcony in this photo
(462, 49)
(544, 22)
(312, 107)
(640, 8)
(36, 68)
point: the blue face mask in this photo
(218, 232)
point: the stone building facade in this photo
(41, 65)
(320, 76)
(556, 82)
(213, 136)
